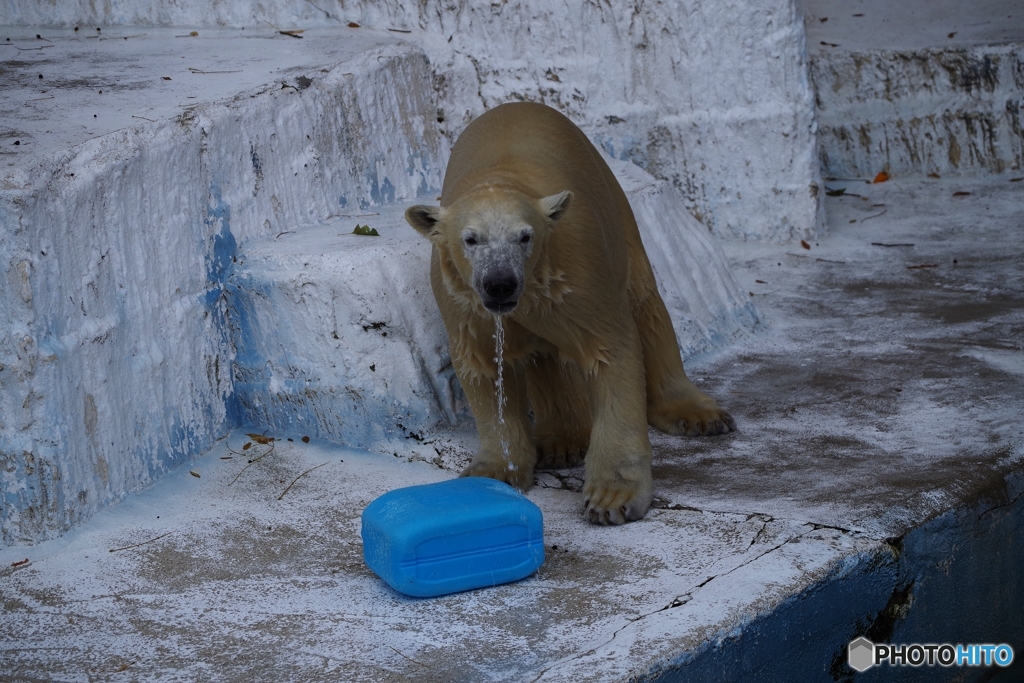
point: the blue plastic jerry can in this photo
(452, 536)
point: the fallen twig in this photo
(136, 545)
(252, 462)
(143, 118)
(896, 244)
(19, 562)
(200, 71)
(300, 476)
(923, 265)
(294, 33)
(408, 657)
(874, 215)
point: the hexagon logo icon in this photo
(860, 654)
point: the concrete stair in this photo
(916, 90)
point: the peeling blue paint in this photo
(222, 254)
(625, 148)
(382, 192)
(419, 165)
(609, 146)
(220, 260)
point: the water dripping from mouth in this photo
(499, 356)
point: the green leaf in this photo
(366, 231)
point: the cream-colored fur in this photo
(533, 226)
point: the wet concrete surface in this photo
(889, 387)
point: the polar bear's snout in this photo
(499, 291)
(498, 277)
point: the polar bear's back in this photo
(536, 147)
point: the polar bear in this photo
(534, 231)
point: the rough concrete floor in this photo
(886, 390)
(890, 385)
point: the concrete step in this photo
(145, 158)
(935, 88)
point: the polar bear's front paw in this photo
(692, 418)
(511, 474)
(616, 502)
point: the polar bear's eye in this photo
(525, 239)
(470, 240)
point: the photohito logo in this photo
(862, 654)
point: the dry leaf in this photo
(934, 175)
(247, 446)
(881, 177)
(953, 33)
(260, 439)
(305, 439)
(960, 193)
(165, 78)
(353, 24)
(803, 243)
(194, 473)
(193, 34)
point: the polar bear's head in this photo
(493, 238)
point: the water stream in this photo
(499, 356)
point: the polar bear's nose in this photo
(501, 287)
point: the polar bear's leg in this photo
(561, 411)
(506, 449)
(674, 404)
(618, 486)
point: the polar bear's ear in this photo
(555, 205)
(424, 219)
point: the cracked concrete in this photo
(874, 488)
